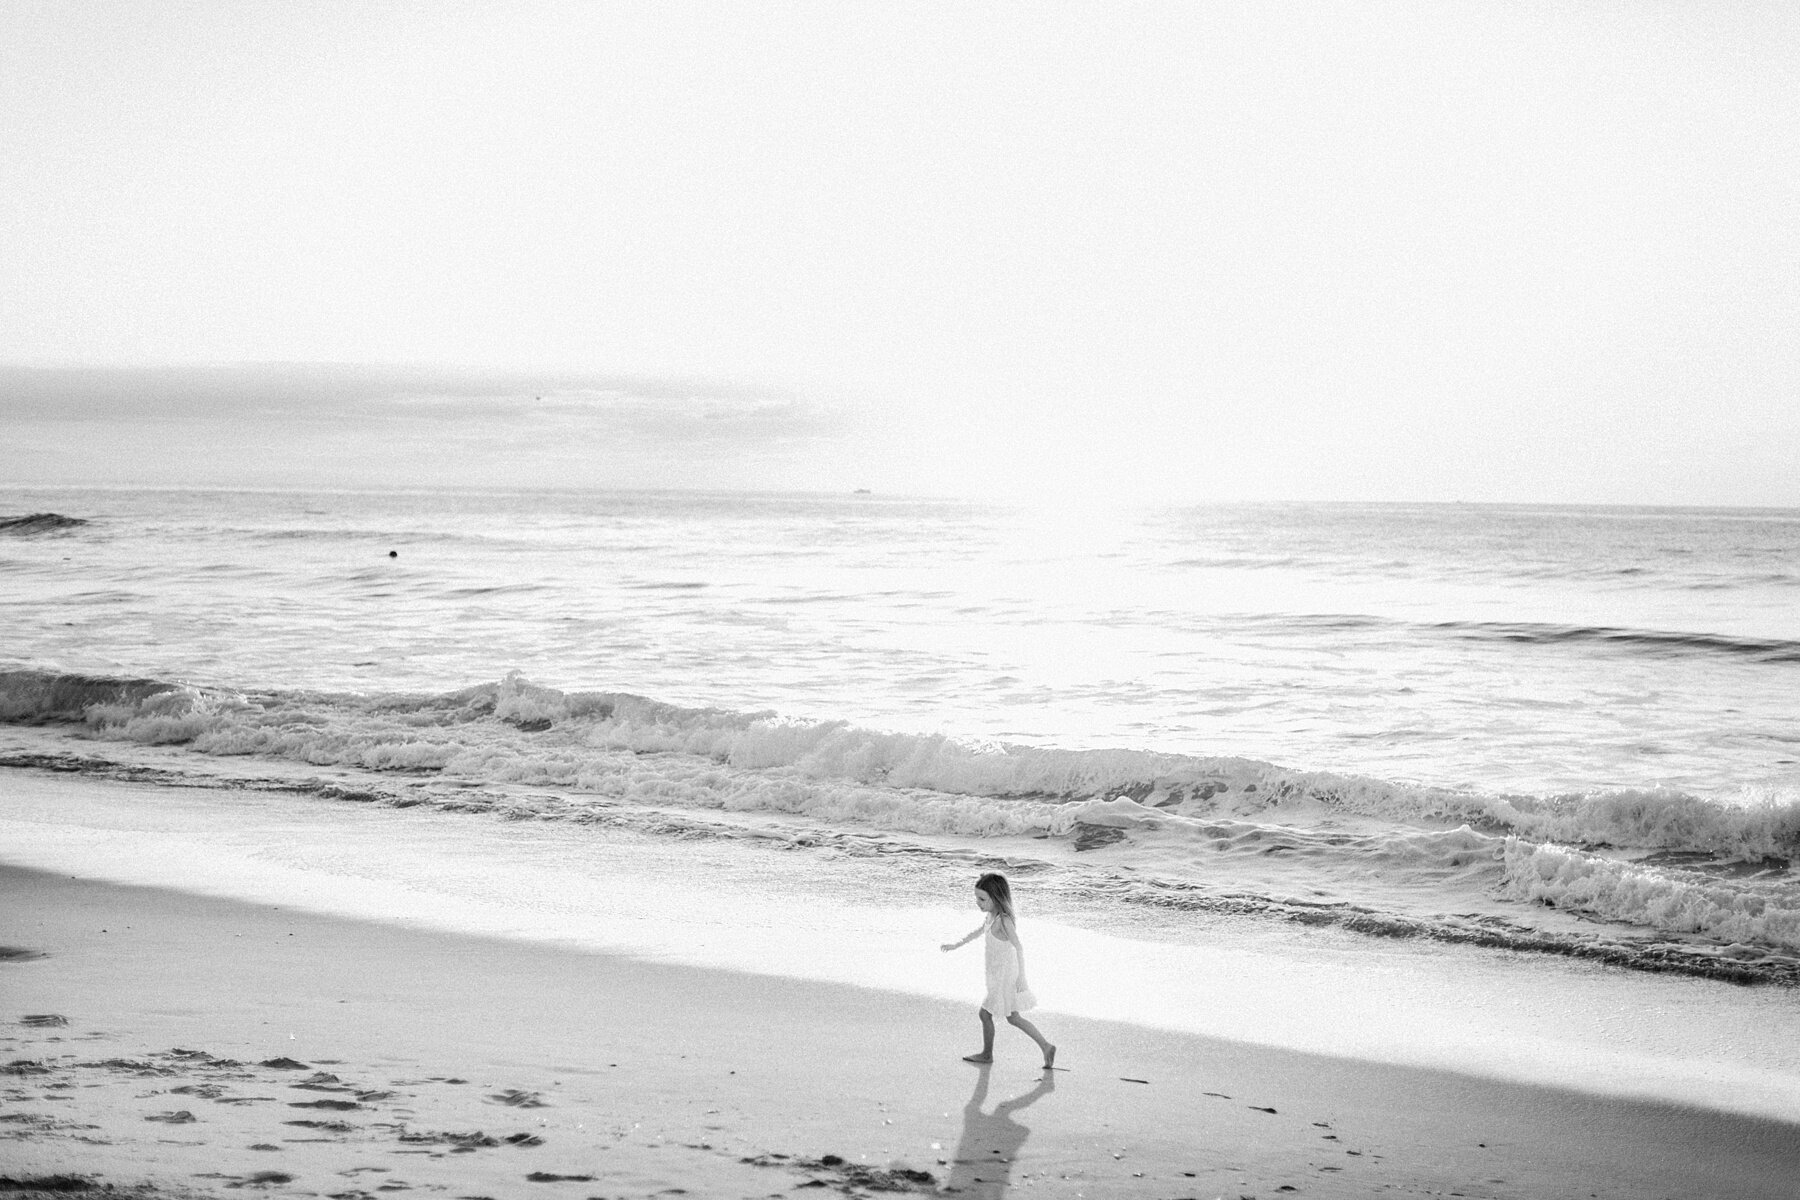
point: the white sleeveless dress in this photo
(1007, 991)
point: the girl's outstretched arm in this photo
(949, 946)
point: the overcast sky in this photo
(1478, 251)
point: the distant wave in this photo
(1649, 641)
(1245, 562)
(43, 522)
(1677, 574)
(1571, 851)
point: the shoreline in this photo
(644, 1076)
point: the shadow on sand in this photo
(991, 1141)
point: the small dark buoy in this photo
(393, 554)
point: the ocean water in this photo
(1555, 729)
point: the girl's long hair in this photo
(1000, 891)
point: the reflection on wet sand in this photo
(991, 1141)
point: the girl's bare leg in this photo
(1030, 1031)
(987, 1040)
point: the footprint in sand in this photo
(518, 1099)
(462, 1141)
(322, 1081)
(263, 1179)
(202, 1058)
(130, 1065)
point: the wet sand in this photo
(204, 1045)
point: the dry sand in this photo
(216, 1046)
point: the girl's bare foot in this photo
(978, 1058)
(1049, 1058)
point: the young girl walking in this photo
(1007, 992)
